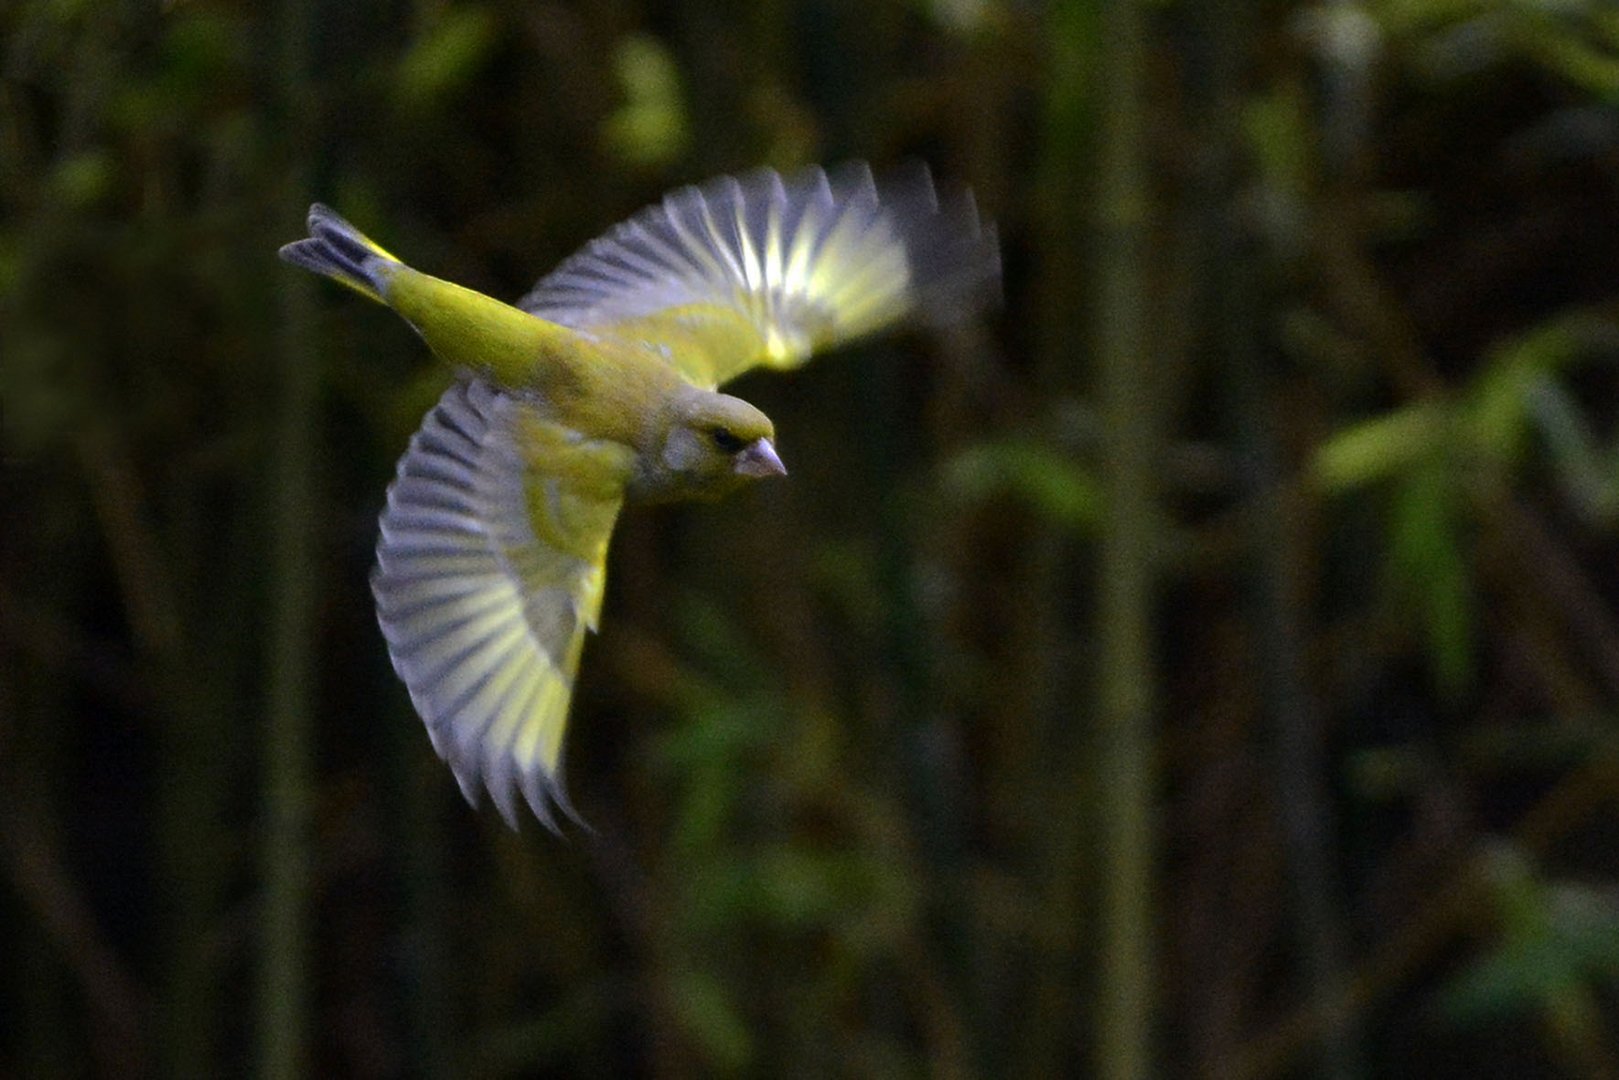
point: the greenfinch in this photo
(599, 388)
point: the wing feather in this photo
(490, 568)
(762, 269)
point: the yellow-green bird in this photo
(599, 388)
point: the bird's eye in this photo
(725, 440)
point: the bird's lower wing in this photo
(490, 568)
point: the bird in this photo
(598, 389)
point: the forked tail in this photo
(343, 253)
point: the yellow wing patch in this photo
(490, 568)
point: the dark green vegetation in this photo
(1209, 667)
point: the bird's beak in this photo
(758, 458)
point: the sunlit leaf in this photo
(650, 127)
(1375, 449)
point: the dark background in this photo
(1206, 665)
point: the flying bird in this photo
(600, 388)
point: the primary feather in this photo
(752, 270)
(490, 568)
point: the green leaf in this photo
(1556, 942)
(1548, 40)
(650, 128)
(83, 179)
(446, 57)
(1588, 473)
(1430, 562)
(1281, 135)
(1052, 484)
(1375, 449)
(1497, 412)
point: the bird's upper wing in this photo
(490, 568)
(758, 269)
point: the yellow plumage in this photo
(598, 388)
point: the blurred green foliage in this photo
(838, 744)
(650, 127)
(1558, 943)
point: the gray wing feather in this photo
(481, 617)
(810, 260)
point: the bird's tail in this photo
(343, 253)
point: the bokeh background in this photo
(1205, 665)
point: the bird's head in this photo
(714, 444)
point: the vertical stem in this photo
(282, 982)
(1053, 745)
(1300, 758)
(287, 734)
(283, 972)
(1278, 549)
(1125, 705)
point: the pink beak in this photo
(758, 458)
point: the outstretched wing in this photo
(490, 568)
(764, 270)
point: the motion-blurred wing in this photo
(490, 568)
(765, 270)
